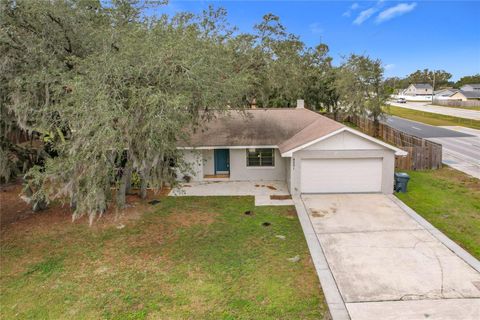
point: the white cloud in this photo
(364, 15)
(353, 7)
(367, 13)
(389, 66)
(396, 11)
(316, 28)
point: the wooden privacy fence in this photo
(457, 103)
(422, 154)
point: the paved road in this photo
(455, 112)
(461, 146)
(421, 130)
(462, 153)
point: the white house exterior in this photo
(311, 153)
(471, 87)
(419, 89)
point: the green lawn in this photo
(189, 258)
(450, 200)
(431, 118)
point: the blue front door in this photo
(222, 160)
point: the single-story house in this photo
(462, 95)
(418, 89)
(444, 94)
(310, 152)
(471, 87)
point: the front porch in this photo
(234, 164)
(266, 193)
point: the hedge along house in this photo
(310, 152)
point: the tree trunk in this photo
(376, 128)
(73, 201)
(128, 183)
(143, 184)
(122, 188)
(121, 199)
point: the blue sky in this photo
(405, 35)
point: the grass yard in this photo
(184, 258)
(433, 119)
(450, 200)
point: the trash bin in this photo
(401, 181)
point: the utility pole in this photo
(433, 90)
(434, 80)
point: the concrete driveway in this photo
(385, 263)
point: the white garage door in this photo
(341, 175)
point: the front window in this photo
(260, 157)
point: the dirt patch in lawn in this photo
(463, 179)
(306, 282)
(17, 214)
(164, 229)
(292, 213)
(12, 208)
(188, 219)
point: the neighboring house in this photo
(312, 153)
(470, 87)
(419, 89)
(444, 94)
(462, 95)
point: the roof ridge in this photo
(312, 124)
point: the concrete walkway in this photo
(383, 259)
(261, 190)
(454, 112)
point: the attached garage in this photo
(339, 175)
(344, 161)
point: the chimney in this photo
(300, 104)
(253, 105)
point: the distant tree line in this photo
(110, 90)
(440, 78)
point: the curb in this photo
(336, 305)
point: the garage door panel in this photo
(341, 175)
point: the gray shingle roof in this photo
(284, 127)
(471, 94)
(422, 85)
(446, 92)
(475, 86)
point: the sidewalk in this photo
(454, 112)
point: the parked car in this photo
(401, 100)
